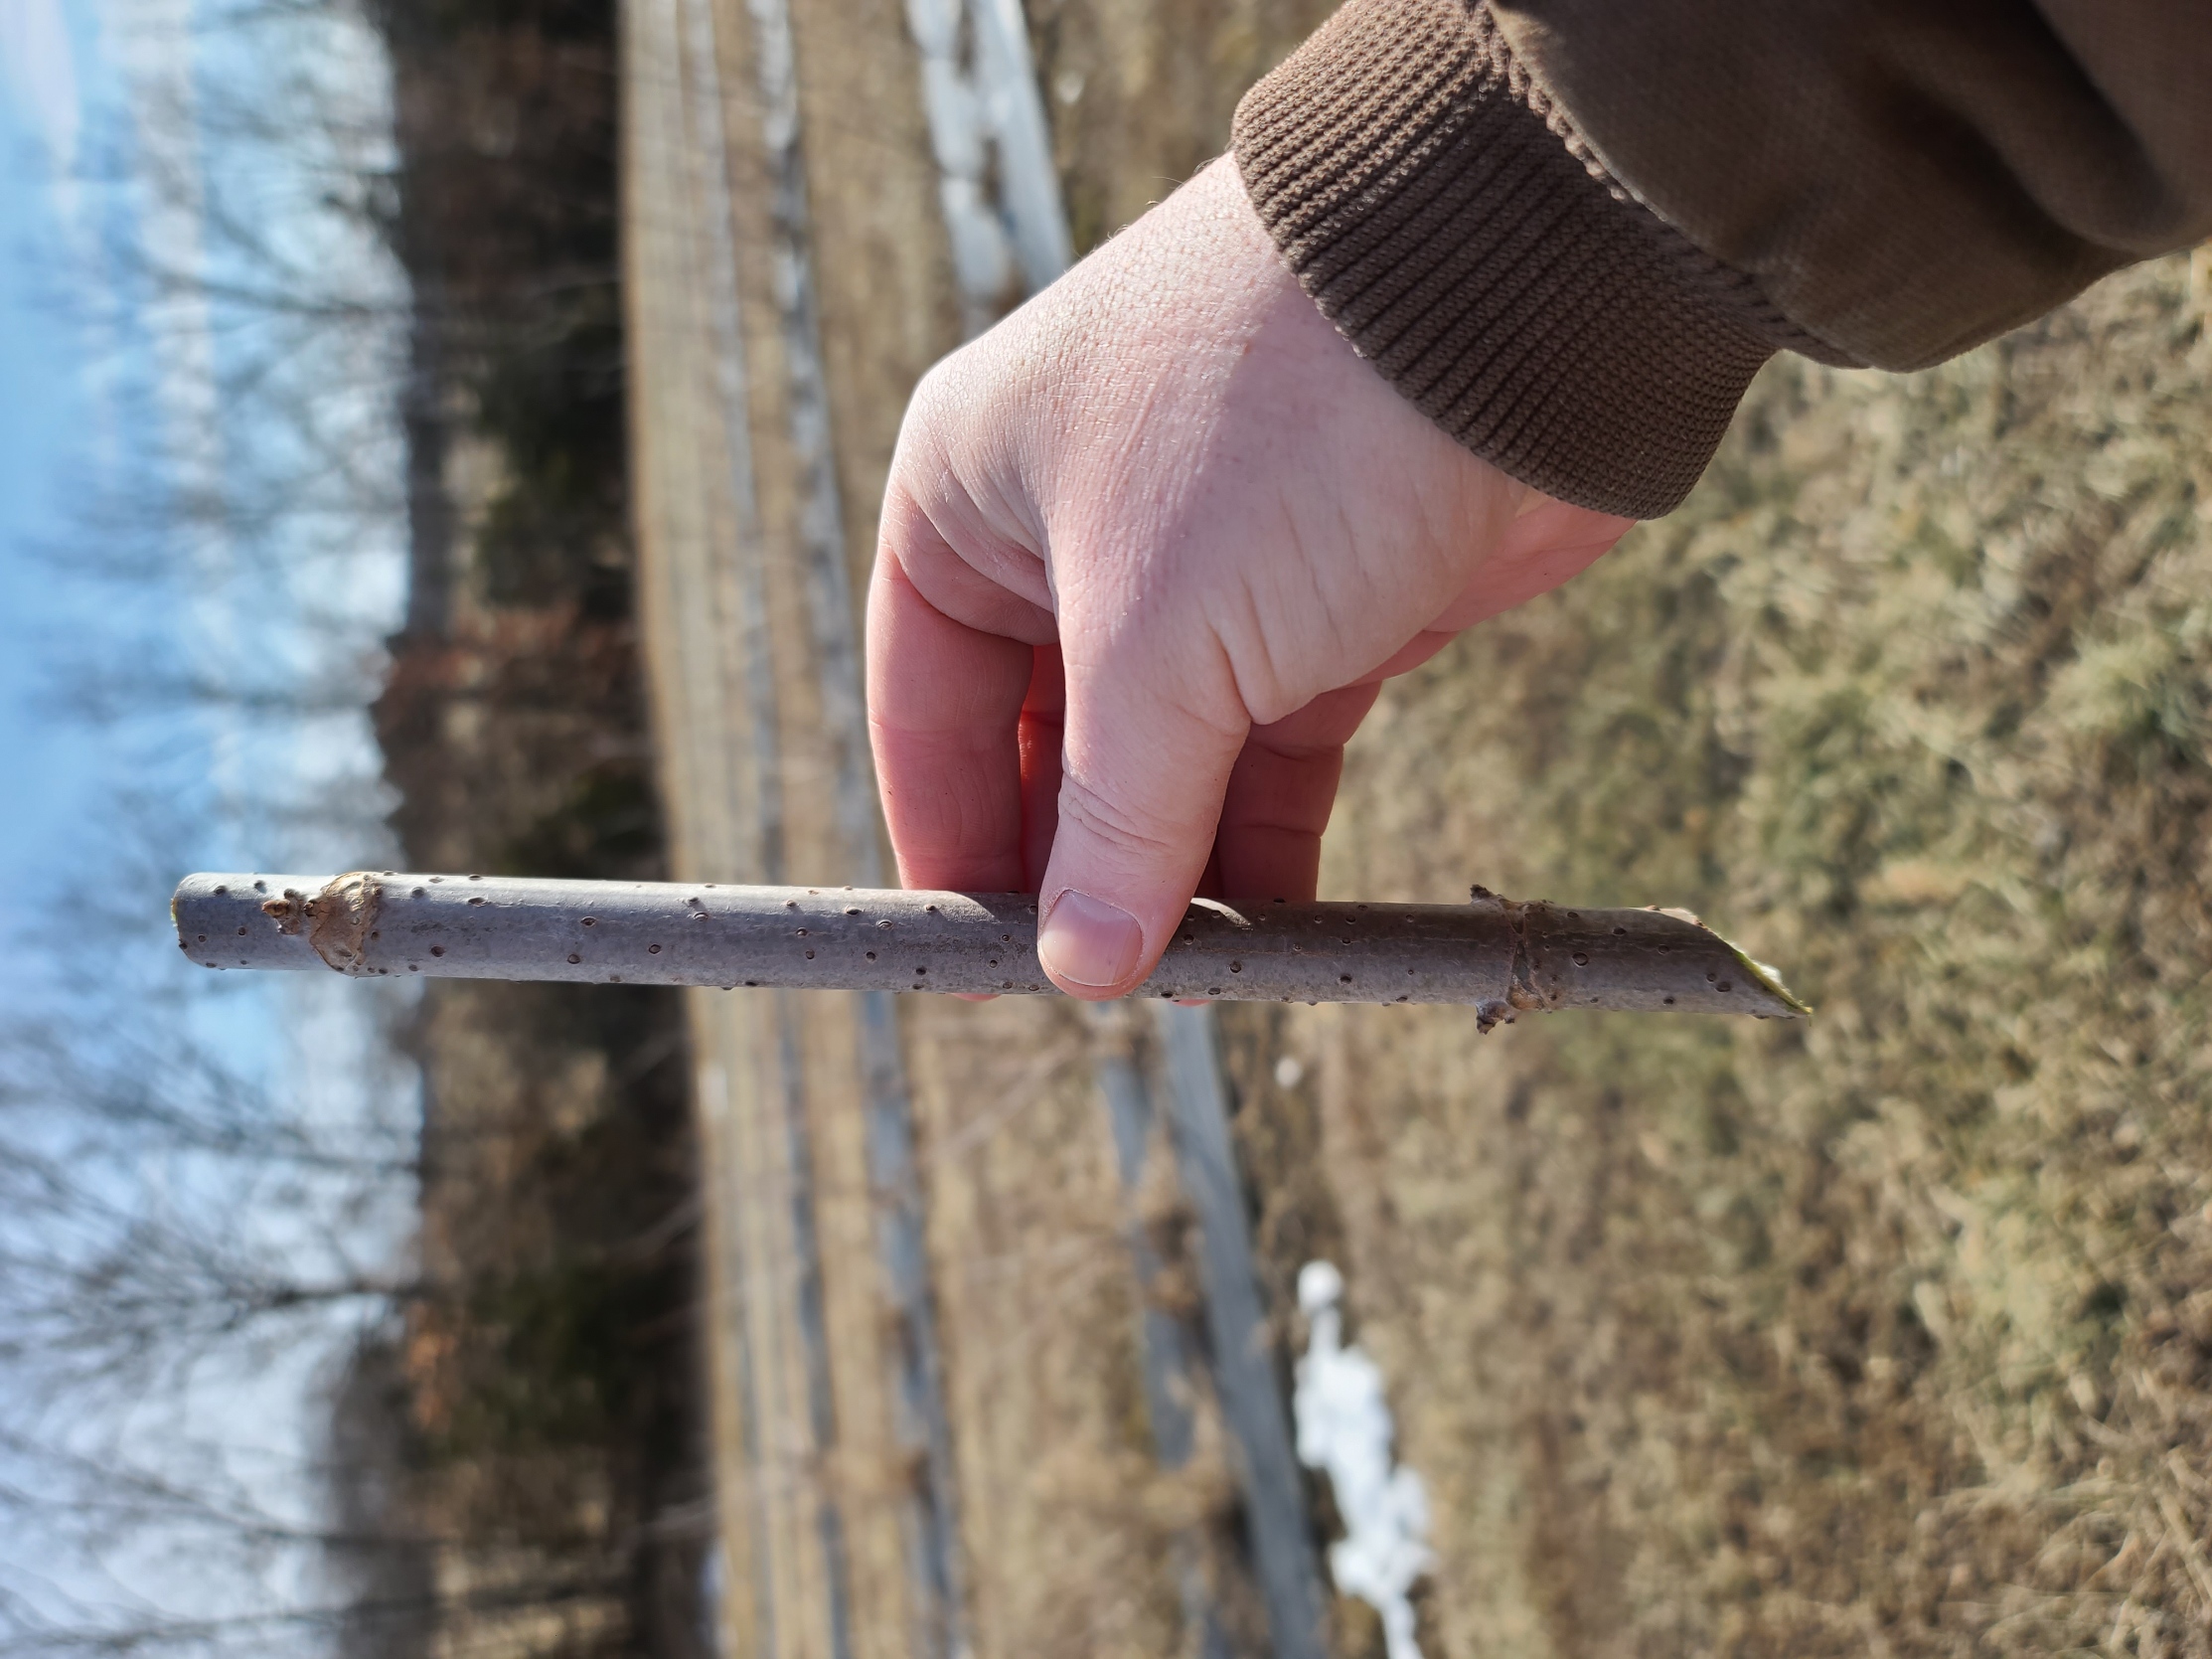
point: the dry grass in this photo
(1067, 1522)
(1890, 1333)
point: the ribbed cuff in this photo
(1444, 215)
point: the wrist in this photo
(1442, 211)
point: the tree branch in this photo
(1495, 955)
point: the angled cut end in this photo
(1768, 981)
(1648, 961)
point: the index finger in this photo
(944, 700)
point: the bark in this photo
(1495, 955)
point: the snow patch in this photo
(1345, 1429)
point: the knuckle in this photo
(1132, 834)
(930, 391)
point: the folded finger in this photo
(944, 702)
(1279, 797)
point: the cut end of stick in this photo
(1651, 961)
(1770, 981)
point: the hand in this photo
(1149, 549)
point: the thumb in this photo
(1145, 766)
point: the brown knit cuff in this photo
(1445, 215)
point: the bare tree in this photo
(180, 1214)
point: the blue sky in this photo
(45, 423)
(107, 389)
(107, 397)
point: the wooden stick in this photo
(1495, 956)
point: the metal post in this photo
(1283, 1556)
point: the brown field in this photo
(1889, 1332)
(1886, 1333)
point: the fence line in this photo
(921, 1422)
(996, 94)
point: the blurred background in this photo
(446, 435)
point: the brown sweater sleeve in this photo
(1570, 231)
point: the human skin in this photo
(1150, 547)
